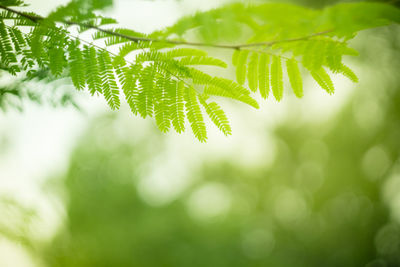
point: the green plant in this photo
(163, 81)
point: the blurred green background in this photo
(310, 182)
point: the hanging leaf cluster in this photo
(161, 75)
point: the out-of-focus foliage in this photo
(164, 81)
(323, 3)
(14, 95)
(15, 221)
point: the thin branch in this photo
(22, 14)
(36, 19)
(265, 51)
(271, 43)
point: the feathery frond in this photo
(93, 78)
(176, 94)
(109, 84)
(346, 71)
(241, 66)
(128, 78)
(161, 75)
(76, 66)
(252, 73)
(217, 116)
(145, 95)
(277, 78)
(162, 102)
(194, 114)
(323, 79)
(263, 75)
(294, 77)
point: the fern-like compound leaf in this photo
(129, 47)
(217, 116)
(109, 84)
(241, 66)
(323, 79)
(314, 54)
(162, 102)
(333, 58)
(222, 87)
(202, 60)
(277, 78)
(235, 57)
(294, 77)
(17, 39)
(146, 87)
(93, 78)
(194, 115)
(57, 61)
(128, 76)
(252, 73)
(263, 75)
(346, 71)
(76, 66)
(8, 57)
(176, 94)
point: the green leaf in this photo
(217, 116)
(201, 60)
(235, 57)
(146, 87)
(194, 115)
(128, 77)
(277, 78)
(263, 75)
(93, 78)
(241, 67)
(162, 102)
(76, 66)
(346, 71)
(294, 77)
(252, 74)
(57, 60)
(108, 78)
(176, 94)
(324, 80)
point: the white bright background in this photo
(41, 138)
